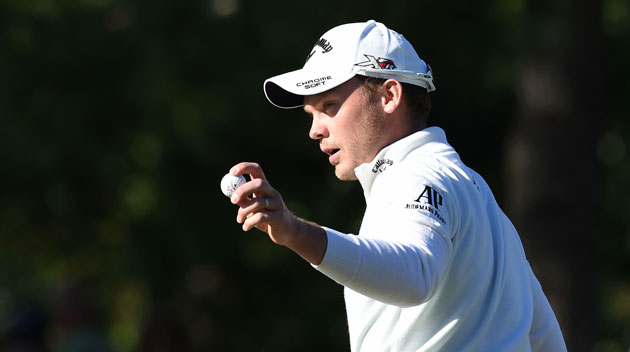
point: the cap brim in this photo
(287, 90)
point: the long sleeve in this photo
(399, 272)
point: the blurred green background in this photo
(119, 118)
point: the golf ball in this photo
(230, 183)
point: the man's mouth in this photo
(333, 155)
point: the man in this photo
(437, 266)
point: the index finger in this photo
(253, 169)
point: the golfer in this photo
(436, 264)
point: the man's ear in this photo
(392, 95)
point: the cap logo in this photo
(312, 83)
(322, 43)
(373, 62)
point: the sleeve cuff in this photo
(342, 257)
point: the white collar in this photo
(396, 152)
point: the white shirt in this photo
(437, 265)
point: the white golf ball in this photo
(230, 183)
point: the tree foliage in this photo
(118, 118)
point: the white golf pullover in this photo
(437, 265)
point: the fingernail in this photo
(233, 198)
(233, 171)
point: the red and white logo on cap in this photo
(373, 62)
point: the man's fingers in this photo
(255, 220)
(251, 168)
(252, 207)
(260, 205)
(258, 187)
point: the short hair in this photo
(416, 97)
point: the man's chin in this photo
(344, 174)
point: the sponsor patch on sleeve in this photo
(429, 200)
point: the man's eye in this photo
(328, 104)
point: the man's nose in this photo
(318, 127)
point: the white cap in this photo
(367, 48)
